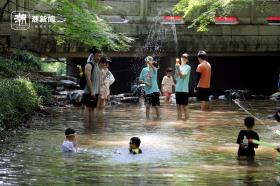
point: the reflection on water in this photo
(200, 151)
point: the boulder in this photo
(69, 84)
(71, 78)
(50, 83)
(138, 89)
(76, 97)
(51, 74)
(275, 96)
(237, 94)
(130, 100)
(259, 97)
(222, 97)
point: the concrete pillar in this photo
(252, 14)
(143, 9)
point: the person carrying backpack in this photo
(92, 87)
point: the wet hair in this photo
(94, 50)
(136, 141)
(169, 69)
(202, 55)
(185, 55)
(249, 122)
(69, 131)
(277, 115)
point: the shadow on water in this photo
(200, 151)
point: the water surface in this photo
(200, 151)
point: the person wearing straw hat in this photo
(70, 143)
(148, 76)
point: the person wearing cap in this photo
(70, 143)
(148, 76)
(202, 88)
(106, 80)
(182, 76)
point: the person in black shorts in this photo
(246, 147)
(92, 88)
(182, 77)
(202, 88)
(148, 76)
(203, 94)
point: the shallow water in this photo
(200, 151)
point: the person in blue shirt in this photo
(148, 76)
(182, 77)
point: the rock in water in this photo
(69, 84)
(275, 96)
(76, 97)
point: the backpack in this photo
(83, 81)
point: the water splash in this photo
(154, 42)
(237, 102)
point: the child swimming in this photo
(134, 146)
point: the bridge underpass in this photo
(232, 48)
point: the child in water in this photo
(70, 143)
(246, 148)
(167, 84)
(134, 146)
(106, 80)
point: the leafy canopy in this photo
(81, 23)
(203, 12)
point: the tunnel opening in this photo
(258, 74)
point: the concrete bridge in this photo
(238, 52)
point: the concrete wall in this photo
(251, 35)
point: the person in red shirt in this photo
(202, 88)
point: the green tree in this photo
(81, 23)
(203, 12)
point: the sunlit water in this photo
(200, 151)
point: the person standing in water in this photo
(182, 75)
(106, 80)
(92, 88)
(167, 85)
(148, 76)
(202, 88)
(246, 148)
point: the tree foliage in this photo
(82, 23)
(203, 12)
